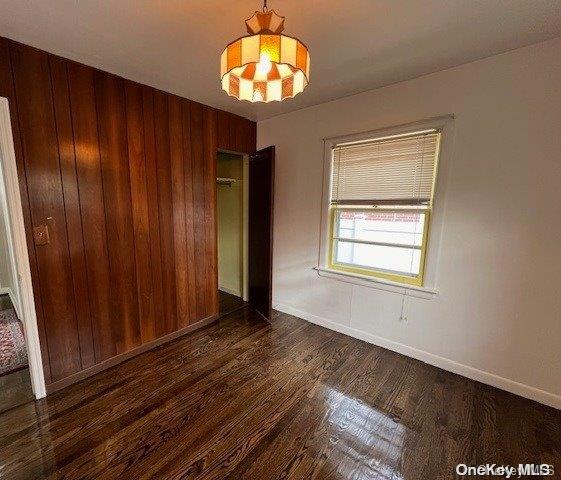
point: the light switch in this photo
(41, 235)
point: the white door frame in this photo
(9, 177)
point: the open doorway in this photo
(15, 379)
(231, 195)
(21, 370)
(245, 205)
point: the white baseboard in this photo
(488, 378)
(232, 291)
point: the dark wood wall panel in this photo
(201, 291)
(165, 199)
(92, 206)
(111, 121)
(235, 133)
(223, 129)
(124, 177)
(178, 202)
(153, 213)
(209, 159)
(61, 100)
(189, 208)
(41, 158)
(7, 90)
(140, 209)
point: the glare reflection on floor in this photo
(368, 442)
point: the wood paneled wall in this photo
(123, 175)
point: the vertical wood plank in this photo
(250, 137)
(153, 210)
(165, 200)
(189, 220)
(210, 152)
(198, 209)
(223, 134)
(236, 133)
(110, 102)
(178, 201)
(88, 171)
(232, 132)
(139, 200)
(40, 153)
(63, 119)
(7, 91)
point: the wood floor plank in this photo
(247, 399)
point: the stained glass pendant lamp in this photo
(265, 66)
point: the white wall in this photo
(497, 317)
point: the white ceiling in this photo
(355, 45)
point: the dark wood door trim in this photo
(260, 234)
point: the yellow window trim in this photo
(405, 279)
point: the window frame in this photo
(432, 242)
(416, 280)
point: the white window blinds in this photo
(386, 171)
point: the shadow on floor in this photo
(228, 303)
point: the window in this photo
(381, 199)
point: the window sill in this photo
(378, 283)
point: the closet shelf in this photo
(226, 181)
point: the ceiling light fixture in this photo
(265, 66)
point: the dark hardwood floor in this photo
(245, 399)
(228, 303)
(15, 389)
